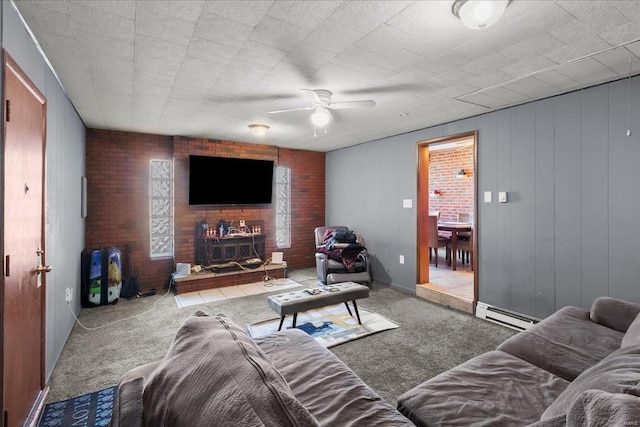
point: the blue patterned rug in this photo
(330, 325)
(89, 410)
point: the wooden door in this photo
(23, 290)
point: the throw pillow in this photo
(616, 373)
(214, 374)
(632, 336)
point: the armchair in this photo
(340, 265)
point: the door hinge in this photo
(6, 265)
(7, 109)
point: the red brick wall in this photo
(118, 197)
(456, 194)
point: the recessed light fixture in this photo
(259, 130)
(479, 14)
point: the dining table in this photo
(455, 228)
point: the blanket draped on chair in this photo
(342, 246)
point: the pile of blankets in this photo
(342, 246)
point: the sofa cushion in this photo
(614, 313)
(492, 389)
(565, 343)
(595, 408)
(214, 374)
(331, 391)
(617, 373)
(632, 336)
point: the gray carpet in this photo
(430, 339)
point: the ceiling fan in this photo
(322, 104)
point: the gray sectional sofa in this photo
(215, 375)
(574, 368)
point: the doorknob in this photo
(43, 269)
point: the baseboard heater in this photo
(504, 317)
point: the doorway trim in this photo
(422, 257)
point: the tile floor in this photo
(218, 294)
(447, 287)
(458, 283)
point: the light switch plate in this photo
(407, 203)
(502, 197)
(487, 196)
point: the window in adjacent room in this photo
(161, 208)
(283, 207)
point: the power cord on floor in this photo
(263, 265)
(155, 305)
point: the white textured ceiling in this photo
(210, 68)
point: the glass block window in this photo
(161, 208)
(283, 207)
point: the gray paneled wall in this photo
(570, 231)
(65, 165)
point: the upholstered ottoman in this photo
(308, 299)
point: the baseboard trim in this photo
(36, 409)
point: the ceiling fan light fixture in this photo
(259, 130)
(320, 118)
(479, 14)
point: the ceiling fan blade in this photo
(250, 98)
(352, 104)
(392, 88)
(291, 109)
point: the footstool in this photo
(308, 299)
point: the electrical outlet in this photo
(401, 259)
(68, 295)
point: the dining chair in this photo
(436, 241)
(465, 216)
(465, 248)
(464, 236)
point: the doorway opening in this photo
(447, 211)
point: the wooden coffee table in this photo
(308, 299)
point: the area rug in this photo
(219, 294)
(330, 325)
(89, 410)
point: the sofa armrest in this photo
(614, 313)
(127, 406)
(128, 409)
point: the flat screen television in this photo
(229, 181)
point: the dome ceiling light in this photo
(259, 130)
(320, 119)
(479, 14)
